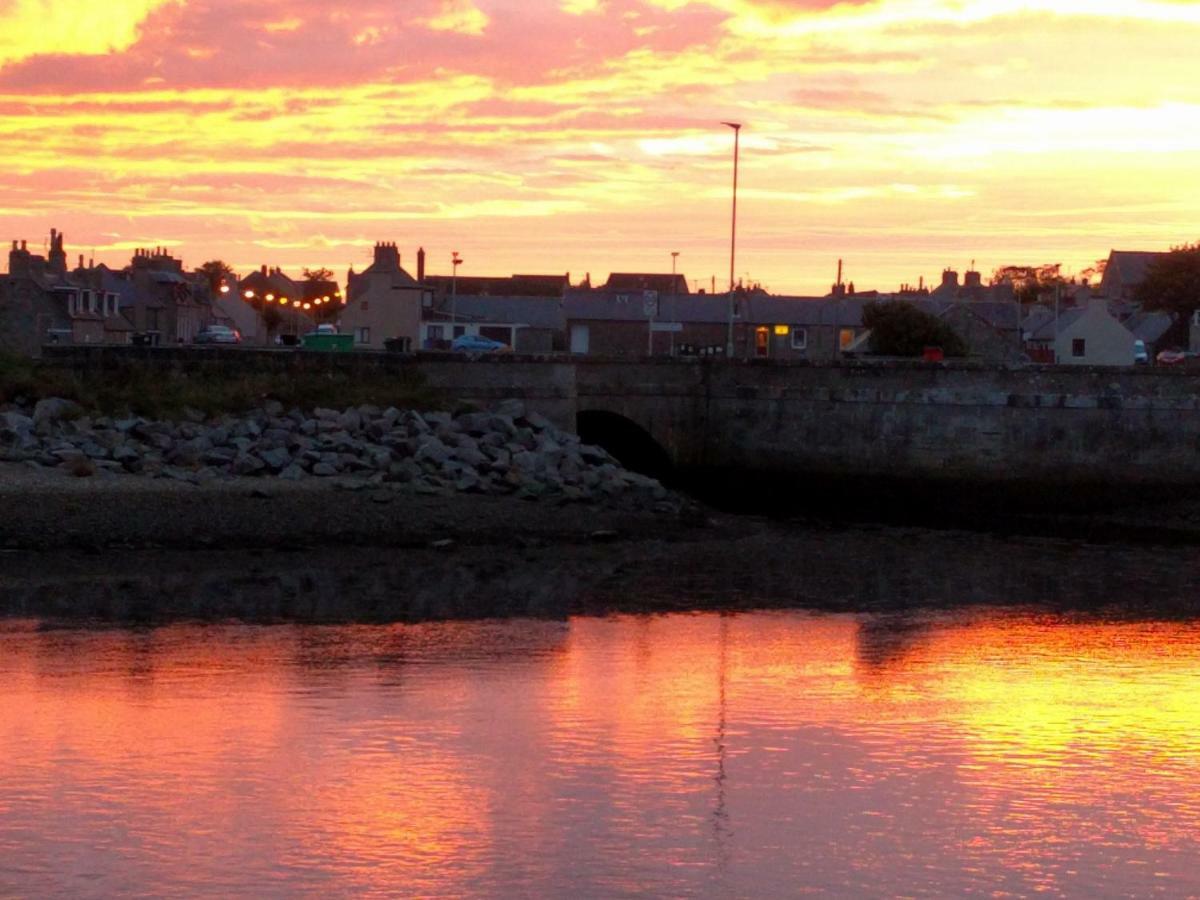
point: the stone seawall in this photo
(950, 421)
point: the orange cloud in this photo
(902, 135)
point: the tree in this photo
(318, 274)
(1029, 282)
(216, 271)
(1172, 283)
(901, 329)
(1096, 270)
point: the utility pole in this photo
(455, 261)
(737, 134)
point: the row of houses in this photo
(155, 300)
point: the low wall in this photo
(1052, 425)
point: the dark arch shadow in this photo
(629, 442)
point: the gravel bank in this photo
(47, 509)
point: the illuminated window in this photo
(845, 338)
(781, 331)
(799, 338)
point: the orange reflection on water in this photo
(757, 753)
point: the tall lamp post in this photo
(455, 261)
(737, 134)
(674, 258)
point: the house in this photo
(991, 331)
(526, 324)
(383, 303)
(268, 303)
(42, 302)
(636, 282)
(971, 290)
(166, 305)
(1125, 271)
(1087, 336)
(488, 286)
(1158, 330)
(604, 322)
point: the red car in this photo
(1170, 357)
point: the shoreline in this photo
(49, 509)
(897, 573)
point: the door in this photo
(579, 339)
(762, 341)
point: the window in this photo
(845, 338)
(799, 339)
(622, 298)
(1079, 348)
(362, 335)
(434, 333)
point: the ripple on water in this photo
(775, 753)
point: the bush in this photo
(901, 329)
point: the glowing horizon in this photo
(584, 136)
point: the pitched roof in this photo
(646, 281)
(1149, 326)
(505, 286)
(536, 312)
(1129, 266)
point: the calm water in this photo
(985, 752)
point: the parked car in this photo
(476, 343)
(218, 334)
(1140, 355)
(1171, 357)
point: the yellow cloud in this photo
(461, 16)
(76, 27)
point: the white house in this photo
(1093, 337)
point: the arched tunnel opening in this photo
(629, 442)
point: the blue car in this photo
(474, 343)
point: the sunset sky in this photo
(585, 135)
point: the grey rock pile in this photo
(509, 450)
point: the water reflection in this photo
(978, 751)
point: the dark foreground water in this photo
(999, 752)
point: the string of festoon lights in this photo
(250, 296)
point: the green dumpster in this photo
(331, 342)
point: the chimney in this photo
(421, 265)
(81, 260)
(973, 279)
(14, 245)
(949, 278)
(387, 257)
(264, 269)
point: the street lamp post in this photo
(737, 134)
(456, 261)
(674, 258)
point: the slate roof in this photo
(647, 281)
(1149, 326)
(1132, 264)
(536, 312)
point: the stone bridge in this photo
(956, 422)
